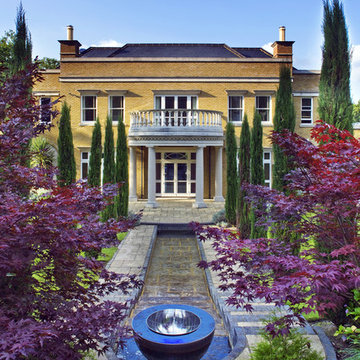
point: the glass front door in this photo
(175, 178)
(175, 174)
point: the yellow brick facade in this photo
(140, 79)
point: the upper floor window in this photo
(88, 108)
(175, 102)
(116, 107)
(306, 111)
(44, 113)
(236, 108)
(263, 107)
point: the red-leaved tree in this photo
(51, 303)
(323, 208)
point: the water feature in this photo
(174, 331)
(174, 278)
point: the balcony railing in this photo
(173, 118)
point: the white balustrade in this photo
(175, 118)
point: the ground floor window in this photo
(85, 157)
(175, 173)
(267, 167)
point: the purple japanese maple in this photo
(323, 209)
(51, 295)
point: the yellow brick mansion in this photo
(175, 101)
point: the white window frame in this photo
(188, 101)
(269, 162)
(110, 108)
(84, 161)
(306, 121)
(40, 103)
(83, 109)
(269, 109)
(241, 108)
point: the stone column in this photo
(132, 174)
(218, 175)
(151, 178)
(199, 201)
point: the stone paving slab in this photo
(132, 257)
(176, 212)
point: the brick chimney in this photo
(70, 47)
(282, 48)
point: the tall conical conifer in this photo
(335, 105)
(109, 165)
(284, 119)
(257, 170)
(94, 178)
(121, 171)
(66, 159)
(243, 208)
(20, 57)
(22, 47)
(231, 174)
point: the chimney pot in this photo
(70, 32)
(282, 33)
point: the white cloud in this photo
(355, 73)
(108, 43)
(268, 47)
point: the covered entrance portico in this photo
(175, 157)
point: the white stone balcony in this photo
(172, 127)
(175, 118)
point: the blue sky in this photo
(241, 23)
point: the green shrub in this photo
(219, 217)
(352, 332)
(293, 346)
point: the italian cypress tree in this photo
(109, 164)
(243, 208)
(122, 173)
(284, 119)
(94, 178)
(20, 57)
(66, 159)
(22, 48)
(335, 106)
(257, 170)
(231, 175)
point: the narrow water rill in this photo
(174, 278)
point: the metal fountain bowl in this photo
(173, 322)
(173, 331)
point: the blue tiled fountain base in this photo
(218, 349)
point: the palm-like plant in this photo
(43, 154)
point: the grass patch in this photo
(313, 316)
(108, 253)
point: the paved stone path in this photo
(173, 277)
(132, 257)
